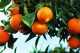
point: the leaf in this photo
(51, 29)
(25, 9)
(40, 52)
(9, 29)
(40, 5)
(21, 6)
(44, 36)
(78, 50)
(63, 34)
(28, 19)
(32, 35)
(30, 5)
(7, 26)
(71, 50)
(46, 51)
(11, 42)
(4, 3)
(59, 50)
(4, 22)
(25, 29)
(15, 50)
(51, 33)
(37, 41)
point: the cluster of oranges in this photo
(15, 20)
(44, 15)
(40, 26)
(74, 27)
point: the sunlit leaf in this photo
(28, 19)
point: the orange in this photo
(15, 22)
(44, 14)
(4, 37)
(14, 10)
(74, 25)
(73, 42)
(39, 28)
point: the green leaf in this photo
(58, 50)
(71, 51)
(44, 36)
(40, 5)
(3, 3)
(28, 19)
(25, 9)
(11, 42)
(21, 6)
(36, 43)
(32, 35)
(4, 22)
(15, 50)
(8, 28)
(46, 50)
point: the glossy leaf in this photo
(28, 19)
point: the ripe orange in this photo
(74, 25)
(4, 37)
(14, 10)
(44, 15)
(15, 22)
(39, 28)
(73, 42)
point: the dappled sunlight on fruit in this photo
(45, 14)
(4, 37)
(39, 28)
(74, 25)
(15, 22)
(73, 42)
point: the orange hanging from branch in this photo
(74, 25)
(39, 28)
(44, 14)
(4, 37)
(15, 22)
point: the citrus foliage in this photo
(59, 18)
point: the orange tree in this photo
(55, 17)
